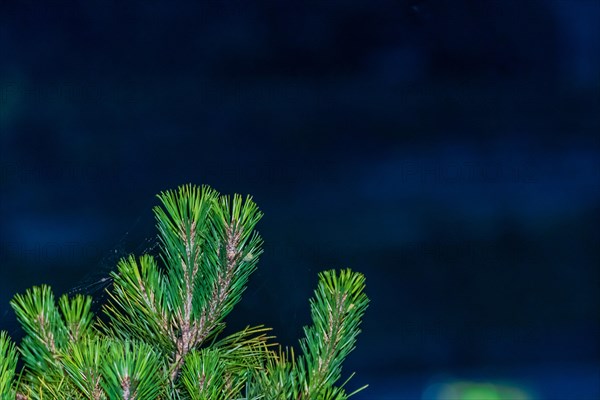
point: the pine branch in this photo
(209, 249)
(227, 261)
(336, 310)
(139, 306)
(8, 367)
(82, 362)
(45, 330)
(49, 329)
(132, 371)
(160, 338)
(182, 226)
(205, 376)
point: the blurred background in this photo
(448, 149)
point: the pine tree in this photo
(160, 333)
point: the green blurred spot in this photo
(481, 391)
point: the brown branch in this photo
(332, 338)
(47, 336)
(126, 386)
(194, 333)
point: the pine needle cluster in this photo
(159, 336)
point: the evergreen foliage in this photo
(159, 337)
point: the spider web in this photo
(97, 282)
(139, 239)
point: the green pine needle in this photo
(8, 366)
(132, 371)
(82, 362)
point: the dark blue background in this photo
(448, 149)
